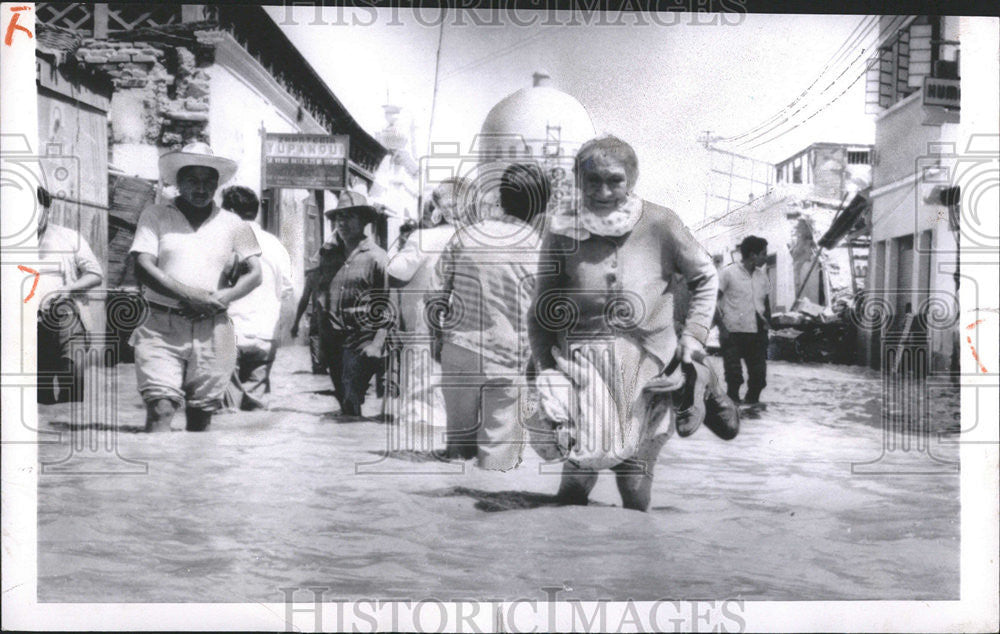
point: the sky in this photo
(657, 85)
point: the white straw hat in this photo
(195, 154)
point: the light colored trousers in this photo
(484, 405)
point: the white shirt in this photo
(415, 264)
(196, 257)
(67, 257)
(256, 315)
(743, 297)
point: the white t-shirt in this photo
(256, 315)
(193, 257)
(743, 297)
(415, 264)
(66, 257)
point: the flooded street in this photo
(298, 497)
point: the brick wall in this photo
(169, 82)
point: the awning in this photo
(844, 222)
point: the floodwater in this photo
(299, 497)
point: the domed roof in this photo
(529, 113)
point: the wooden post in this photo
(192, 12)
(100, 21)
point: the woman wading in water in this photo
(610, 263)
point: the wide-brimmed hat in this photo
(353, 201)
(195, 154)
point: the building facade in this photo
(811, 187)
(913, 271)
(223, 74)
(73, 106)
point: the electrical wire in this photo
(506, 50)
(851, 42)
(788, 119)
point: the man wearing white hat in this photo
(352, 290)
(185, 252)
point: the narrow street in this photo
(299, 496)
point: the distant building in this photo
(830, 169)
(913, 88)
(395, 189)
(811, 186)
(225, 74)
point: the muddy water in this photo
(280, 499)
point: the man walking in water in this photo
(352, 340)
(185, 250)
(743, 314)
(257, 316)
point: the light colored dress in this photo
(605, 300)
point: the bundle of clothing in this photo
(595, 415)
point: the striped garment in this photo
(487, 273)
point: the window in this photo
(860, 157)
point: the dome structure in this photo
(535, 122)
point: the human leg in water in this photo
(635, 475)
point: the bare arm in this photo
(84, 282)
(307, 293)
(248, 281)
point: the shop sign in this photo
(304, 161)
(942, 92)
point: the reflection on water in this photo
(274, 499)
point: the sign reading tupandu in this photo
(304, 161)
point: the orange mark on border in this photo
(975, 355)
(34, 284)
(13, 26)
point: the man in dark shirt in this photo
(353, 295)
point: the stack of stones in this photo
(171, 79)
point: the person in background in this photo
(309, 302)
(354, 302)
(69, 268)
(412, 270)
(615, 258)
(257, 316)
(487, 278)
(185, 251)
(743, 315)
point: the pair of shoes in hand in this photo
(702, 399)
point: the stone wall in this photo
(161, 88)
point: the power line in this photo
(851, 42)
(894, 28)
(825, 106)
(506, 50)
(789, 118)
(804, 107)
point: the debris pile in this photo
(813, 333)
